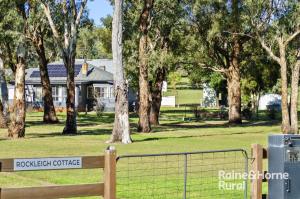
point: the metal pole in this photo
(185, 176)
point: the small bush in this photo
(247, 113)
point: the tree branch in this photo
(56, 35)
(269, 50)
(293, 36)
(214, 68)
(48, 15)
(83, 4)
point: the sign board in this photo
(168, 101)
(47, 164)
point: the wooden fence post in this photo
(110, 173)
(257, 169)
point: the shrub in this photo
(247, 113)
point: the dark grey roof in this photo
(100, 63)
(57, 74)
(56, 70)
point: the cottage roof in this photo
(58, 74)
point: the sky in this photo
(98, 9)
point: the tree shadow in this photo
(79, 133)
(41, 123)
(186, 126)
(195, 136)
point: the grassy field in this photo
(173, 135)
(185, 96)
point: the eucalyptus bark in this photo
(285, 127)
(234, 85)
(71, 124)
(49, 109)
(17, 125)
(121, 129)
(144, 90)
(156, 93)
(294, 96)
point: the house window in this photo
(90, 92)
(101, 92)
(63, 97)
(38, 94)
(55, 93)
(112, 93)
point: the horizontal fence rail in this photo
(53, 191)
(107, 189)
(193, 175)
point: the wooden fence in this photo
(107, 189)
(258, 155)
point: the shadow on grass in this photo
(82, 120)
(186, 126)
(195, 136)
(41, 123)
(79, 133)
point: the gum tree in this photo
(14, 52)
(66, 40)
(121, 130)
(164, 38)
(277, 28)
(144, 90)
(219, 30)
(37, 34)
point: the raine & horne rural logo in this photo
(237, 181)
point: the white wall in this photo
(269, 99)
(11, 91)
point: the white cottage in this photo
(93, 78)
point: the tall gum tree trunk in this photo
(49, 109)
(4, 114)
(285, 127)
(71, 125)
(17, 126)
(144, 91)
(234, 86)
(72, 18)
(294, 96)
(121, 130)
(157, 96)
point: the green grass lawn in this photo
(173, 135)
(185, 96)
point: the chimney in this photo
(84, 68)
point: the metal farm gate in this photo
(194, 175)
